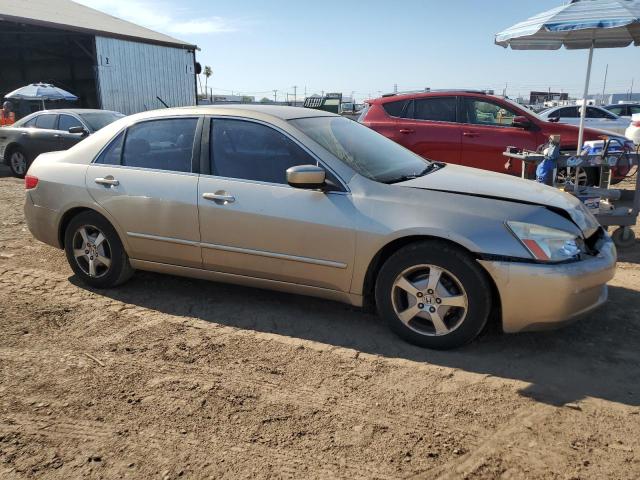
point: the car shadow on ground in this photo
(5, 172)
(598, 356)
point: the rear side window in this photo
(67, 121)
(439, 109)
(165, 144)
(46, 121)
(252, 151)
(617, 110)
(111, 155)
(395, 109)
(568, 112)
(633, 109)
(30, 123)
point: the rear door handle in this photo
(107, 181)
(220, 197)
(406, 131)
(470, 134)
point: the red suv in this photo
(470, 128)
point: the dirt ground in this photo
(169, 377)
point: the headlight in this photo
(546, 244)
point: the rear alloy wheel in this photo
(95, 251)
(434, 294)
(18, 163)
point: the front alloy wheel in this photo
(434, 294)
(429, 300)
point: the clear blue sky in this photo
(256, 46)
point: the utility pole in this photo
(275, 96)
(631, 91)
(604, 85)
(295, 95)
(504, 92)
(395, 88)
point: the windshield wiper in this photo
(432, 167)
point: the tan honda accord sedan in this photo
(312, 203)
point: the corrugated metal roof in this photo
(68, 15)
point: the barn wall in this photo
(132, 74)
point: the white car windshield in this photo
(365, 151)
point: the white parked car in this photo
(633, 131)
(597, 117)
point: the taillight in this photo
(30, 182)
(635, 124)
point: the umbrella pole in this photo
(43, 104)
(583, 113)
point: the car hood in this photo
(482, 183)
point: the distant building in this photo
(610, 98)
(107, 62)
(536, 98)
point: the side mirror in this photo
(521, 122)
(78, 129)
(306, 176)
(554, 119)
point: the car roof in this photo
(238, 110)
(394, 97)
(77, 111)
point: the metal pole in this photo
(604, 85)
(583, 113)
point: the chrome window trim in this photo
(286, 134)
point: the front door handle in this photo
(407, 131)
(107, 181)
(220, 197)
(471, 134)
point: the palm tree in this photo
(207, 73)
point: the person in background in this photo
(7, 117)
(544, 172)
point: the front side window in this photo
(165, 144)
(253, 151)
(438, 109)
(480, 112)
(367, 152)
(47, 121)
(67, 121)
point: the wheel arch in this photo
(9, 150)
(495, 319)
(73, 212)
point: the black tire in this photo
(119, 270)
(18, 171)
(624, 237)
(465, 271)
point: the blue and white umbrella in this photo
(580, 24)
(41, 92)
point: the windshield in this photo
(98, 120)
(365, 151)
